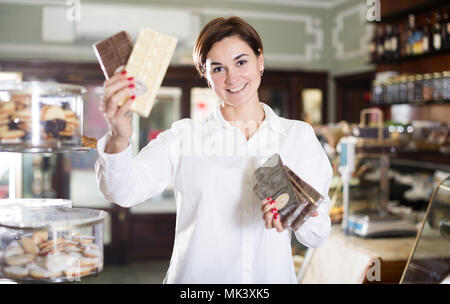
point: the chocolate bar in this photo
(273, 179)
(148, 64)
(113, 52)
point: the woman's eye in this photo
(218, 69)
(242, 62)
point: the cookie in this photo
(15, 272)
(91, 253)
(23, 100)
(40, 237)
(85, 261)
(23, 115)
(7, 108)
(52, 113)
(29, 246)
(13, 249)
(20, 260)
(83, 239)
(11, 134)
(42, 273)
(50, 243)
(61, 262)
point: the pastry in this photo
(40, 237)
(13, 249)
(19, 260)
(42, 273)
(29, 246)
(15, 272)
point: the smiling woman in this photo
(212, 164)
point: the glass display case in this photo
(429, 261)
(50, 241)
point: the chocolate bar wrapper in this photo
(113, 52)
(274, 179)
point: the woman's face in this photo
(233, 71)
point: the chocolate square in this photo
(113, 52)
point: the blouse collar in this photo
(272, 120)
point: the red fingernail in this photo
(133, 97)
(130, 78)
(275, 216)
(123, 72)
(274, 210)
(272, 202)
(131, 86)
(269, 198)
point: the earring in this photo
(262, 72)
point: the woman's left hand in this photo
(271, 216)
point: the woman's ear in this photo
(260, 60)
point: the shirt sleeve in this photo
(314, 168)
(128, 181)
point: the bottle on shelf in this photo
(403, 88)
(395, 45)
(411, 89)
(418, 88)
(377, 92)
(446, 85)
(387, 43)
(446, 29)
(437, 87)
(403, 29)
(427, 88)
(380, 44)
(410, 35)
(373, 46)
(426, 40)
(437, 33)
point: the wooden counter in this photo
(352, 259)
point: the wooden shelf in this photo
(394, 10)
(410, 58)
(416, 104)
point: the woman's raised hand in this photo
(116, 89)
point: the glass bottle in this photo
(446, 29)
(380, 44)
(395, 42)
(426, 35)
(446, 85)
(437, 87)
(411, 88)
(395, 89)
(437, 35)
(373, 46)
(403, 39)
(418, 88)
(377, 92)
(410, 35)
(403, 89)
(427, 88)
(387, 43)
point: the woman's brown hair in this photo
(219, 28)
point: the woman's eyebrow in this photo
(235, 58)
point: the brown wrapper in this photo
(273, 179)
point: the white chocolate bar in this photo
(148, 64)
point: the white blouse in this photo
(220, 235)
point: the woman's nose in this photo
(232, 75)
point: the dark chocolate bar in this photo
(274, 179)
(113, 52)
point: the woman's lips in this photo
(237, 89)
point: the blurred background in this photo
(371, 77)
